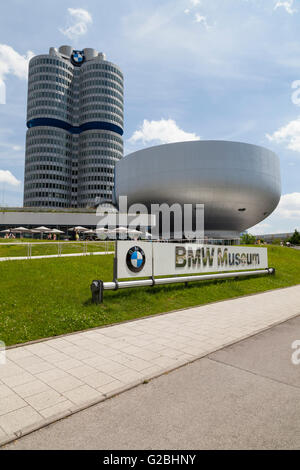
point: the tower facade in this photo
(75, 128)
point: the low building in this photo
(61, 219)
(271, 237)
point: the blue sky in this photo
(209, 69)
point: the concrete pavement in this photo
(46, 381)
(245, 396)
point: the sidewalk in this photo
(49, 380)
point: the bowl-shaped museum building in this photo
(239, 184)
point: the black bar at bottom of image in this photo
(137, 458)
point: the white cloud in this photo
(261, 229)
(285, 218)
(164, 131)
(14, 147)
(201, 19)
(7, 177)
(198, 17)
(289, 134)
(11, 62)
(287, 5)
(78, 23)
(289, 206)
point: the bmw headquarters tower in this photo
(75, 128)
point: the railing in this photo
(98, 287)
(38, 249)
(28, 250)
(204, 241)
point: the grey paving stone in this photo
(19, 419)
(98, 379)
(31, 388)
(43, 400)
(83, 394)
(5, 391)
(11, 402)
(19, 379)
(65, 384)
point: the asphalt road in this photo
(246, 396)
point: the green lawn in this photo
(43, 248)
(42, 298)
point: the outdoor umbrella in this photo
(101, 233)
(42, 230)
(78, 229)
(89, 232)
(125, 230)
(55, 230)
(5, 231)
(20, 230)
(119, 230)
(134, 234)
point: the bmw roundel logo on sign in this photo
(135, 259)
(77, 57)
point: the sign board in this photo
(145, 259)
(134, 259)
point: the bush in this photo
(248, 239)
(295, 238)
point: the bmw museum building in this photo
(238, 183)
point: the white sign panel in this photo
(144, 259)
(172, 258)
(134, 259)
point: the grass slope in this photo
(42, 298)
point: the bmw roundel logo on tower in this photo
(77, 58)
(135, 259)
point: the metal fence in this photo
(54, 249)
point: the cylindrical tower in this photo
(75, 128)
(101, 120)
(48, 167)
(48, 143)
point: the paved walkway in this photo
(244, 396)
(48, 380)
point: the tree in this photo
(248, 239)
(295, 238)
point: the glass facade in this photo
(75, 127)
